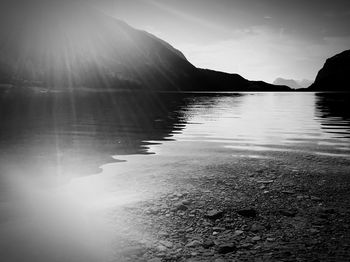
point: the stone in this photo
(256, 228)
(248, 212)
(166, 243)
(289, 192)
(186, 202)
(226, 248)
(180, 206)
(314, 198)
(265, 182)
(256, 238)
(161, 248)
(288, 213)
(214, 214)
(238, 232)
(153, 211)
(219, 260)
(208, 244)
(193, 243)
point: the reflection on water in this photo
(333, 111)
(68, 135)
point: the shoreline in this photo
(260, 213)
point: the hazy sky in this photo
(259, 39)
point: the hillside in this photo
(334, 76)
(68, 45)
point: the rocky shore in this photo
(262, 211)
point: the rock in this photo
(218, 228)
(219, 260)
(248, 212)
(270, 239)
(180, 206)
(314, 198)
(256, 238)
(189, 229)
(166, 243)
(289, 192)
(314, 231)
(288, 213)
(334, 76)
(256, 228)
(246, 245)
(163, 234)
(238, 232)
(161, 248)
(265, 182)
(153, 211)
(226, 248)
(186, 202)
(193, 243)
(208, 244)
(214, 214)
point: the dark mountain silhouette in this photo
(65, 44)
(294, 84)
(334, 76)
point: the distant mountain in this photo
(294, 84)
(334, 76)
(70, 45)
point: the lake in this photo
(60, 136)
(65, 158)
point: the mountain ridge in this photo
(334, 75)
(67, 46)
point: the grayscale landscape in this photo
(155, 131)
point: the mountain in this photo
(294, 84)
(334, 76)
(67, 44)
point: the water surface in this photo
(68, 135)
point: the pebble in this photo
(238, 232)
(256, 238)
(289, 192)
(256, 228)
(214, 214)
(186, 202)
(166, 243)
(219, 260)
(247, 212)
(265, 182)
(194, 243)
(226, 248)
(288, 213)
(209, 243)
(180, 206)
(161, 248)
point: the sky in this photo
(258, 39)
